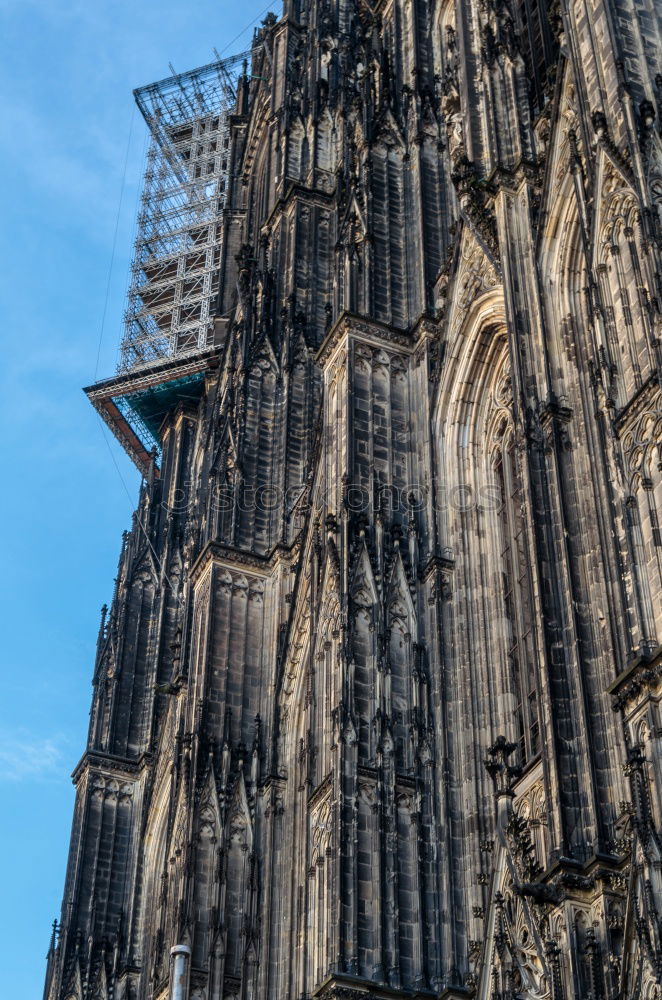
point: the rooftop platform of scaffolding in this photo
(134, 404)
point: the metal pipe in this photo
(180, 955)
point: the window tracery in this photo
(319, 872)
(622, 272)
(513, 557)
(641, 449)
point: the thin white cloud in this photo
(29, 757)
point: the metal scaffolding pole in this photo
(174, 275)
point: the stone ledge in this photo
(110, 764)
(250, 563)
(343, 986)
(645, 671)
(372, 331)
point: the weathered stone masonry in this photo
(377, 702)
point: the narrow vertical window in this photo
(516, 596)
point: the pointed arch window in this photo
(625, 278)
(516, 595)
(633, 521)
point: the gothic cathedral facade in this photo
(377, 702)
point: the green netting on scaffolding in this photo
(145, 410)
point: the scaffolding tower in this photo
(174, 275)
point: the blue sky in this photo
(67, 69)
